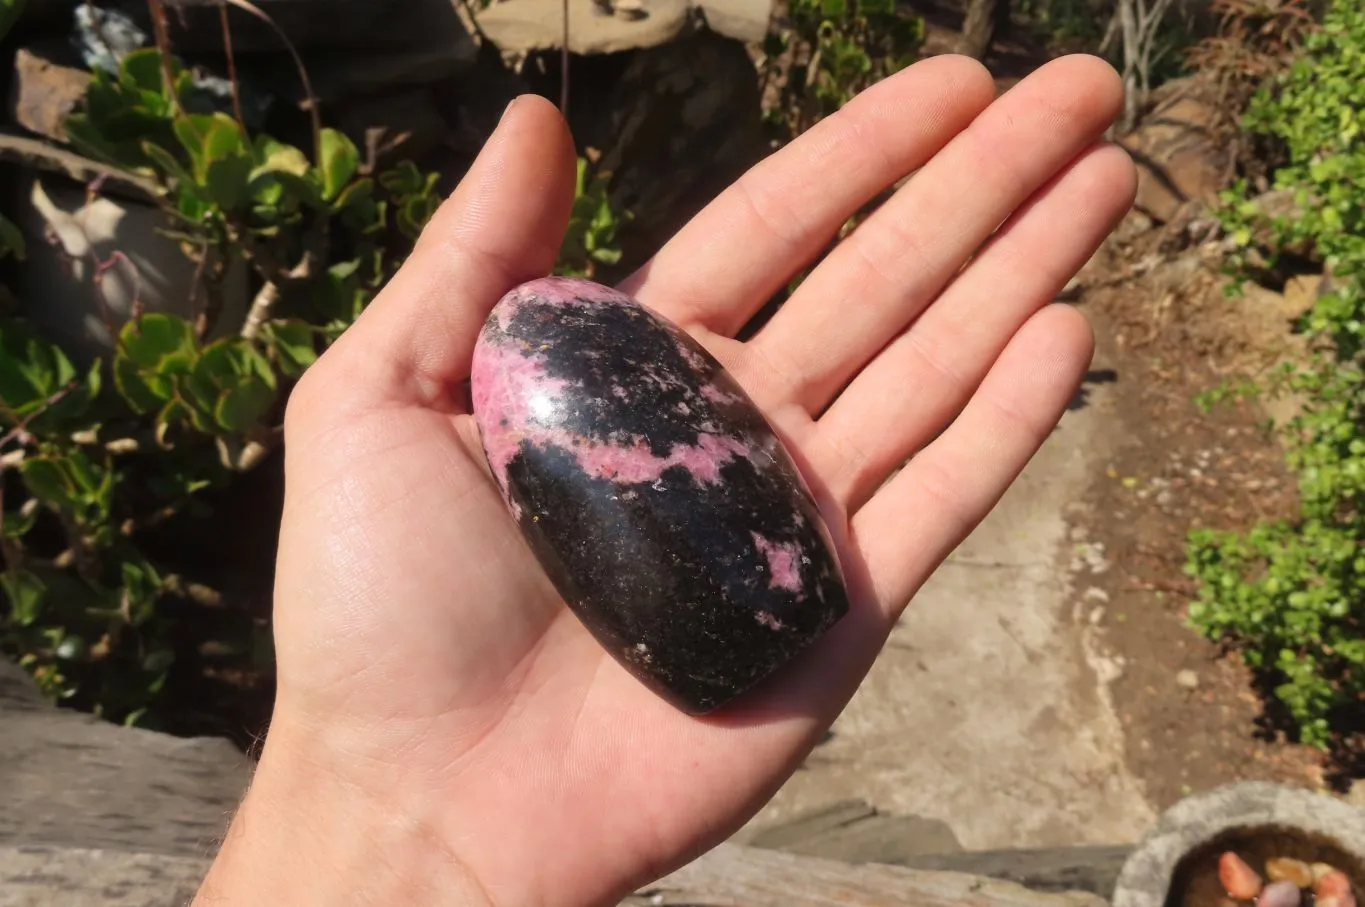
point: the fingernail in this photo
(510, 104)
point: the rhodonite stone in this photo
(652, 491)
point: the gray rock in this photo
(743, 20)
(1197, 820)
(44, 92)
(519, 26)
(105, 37)
(1091, 868)
(77, 877)
(57, 280)
(37, 155)
(855, 832)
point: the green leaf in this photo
(241, 407)
(48, 481)
(175, 412)
(134, 390)
(150, 340)
(404, 179)
(293, 343)
(227, 181)
(192, 130)
(153, 351)
(358, 207)
(271, 156)
(9, 14)
(11, 237)
(338, 164)
(17, 523)
(142, 70)
(165, 162)
(224, 139)
(26, 594)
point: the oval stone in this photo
(652, 491)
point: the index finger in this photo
(746, 245)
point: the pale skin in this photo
(445, 731)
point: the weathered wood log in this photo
(735, 876)
(72, 877)
(1093, 869)
(729, 876)
(96, 814)
(68, 779)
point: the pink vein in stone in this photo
(517, 401)
(716, 395)
(784, 560)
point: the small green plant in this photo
(93, 458)
(590, 239)
(1292, 595)
(826, 51)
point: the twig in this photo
(232, 67)
(312, 100)
(564, 65)
(163, 45)
(103, 267)
(198, 593)
(269, 296)
(22, 424)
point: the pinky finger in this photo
(917, 519)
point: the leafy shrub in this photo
(1255, 41)
(93, 458)
(826, 51)
(103, 454)
(1292, 595)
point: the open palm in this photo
(427, 668)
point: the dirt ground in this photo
(1191, 715)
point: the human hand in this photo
(445, 731)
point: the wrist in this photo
(303, 837)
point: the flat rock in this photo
(44, 92)
(40, 155)
(1178, 161)
(855, 832)
(734, 875)
(81, 877)
(55, 281)
(743, 20)
(518, 26)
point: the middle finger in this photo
(879, 279)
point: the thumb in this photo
(503, 225)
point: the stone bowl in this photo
(1176, 864)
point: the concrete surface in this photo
(989, 708)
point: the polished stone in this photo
(654, 494)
